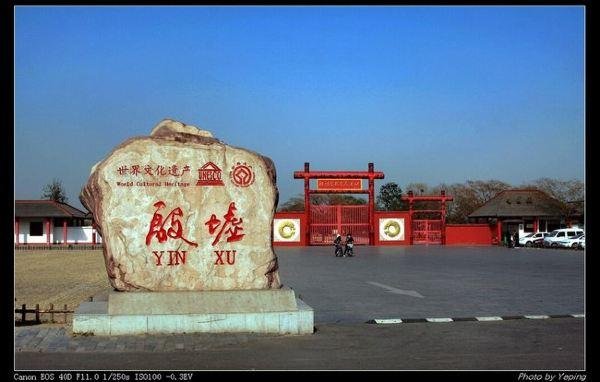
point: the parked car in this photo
(575, 242)
(559, 235)
(529, 239)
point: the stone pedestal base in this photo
(260, 311)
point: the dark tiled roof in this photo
(520, 203)
(46, 208)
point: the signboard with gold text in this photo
(339, 184)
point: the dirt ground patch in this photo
(58, 277)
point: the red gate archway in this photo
(428, 230)
(343, 187)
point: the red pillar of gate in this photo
(307, 201)
(371, 204)
(338, 210)
(48, 231)
(443, 210)
(536, 223)
(65, 232)
(410, 213)
(17, 229)
(499, 231)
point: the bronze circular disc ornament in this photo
(287, 229)
(392, 228)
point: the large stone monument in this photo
(186, 222)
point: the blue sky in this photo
(429, 94)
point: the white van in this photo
(560, 235)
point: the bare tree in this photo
(484, 190)
(296, 203)
(417, 188)
(335, 199)
(54, 191)
(565, 191)
(469, 196)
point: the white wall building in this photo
(46, 222)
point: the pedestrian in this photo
(516, 238)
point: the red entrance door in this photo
(327, 221)
(427, 231)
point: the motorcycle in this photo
(349, 251)
(338, 250)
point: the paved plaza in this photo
(379, 283)
(434, 281)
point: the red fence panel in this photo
(323, 224)
(327, 221)
(427, 231)
(355, 220)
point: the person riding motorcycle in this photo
(338, 245)
(349, 250)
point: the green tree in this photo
(390, 198)
(54, 191)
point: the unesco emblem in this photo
(242, 175)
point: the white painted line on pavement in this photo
(439, 319)
(483, 318)
(391, 289)
(388, 321)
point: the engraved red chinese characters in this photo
(236, 225)
(157, 226)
